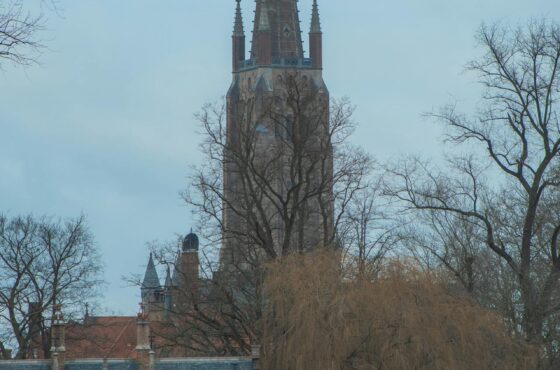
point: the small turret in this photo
(168, 292)
(189, 261)
(184, 281)
(168, 280)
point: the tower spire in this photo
(316, 38)
(315, 19)
(238, 29)
(238, 39)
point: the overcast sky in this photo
(104, 126)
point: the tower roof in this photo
(190, 243)
(283, 23)
(151, 279)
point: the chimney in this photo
(55, 362)
(142, 338)
(142, 331)
(152, 360)
(34, 311)
(256, 356)
(58, 336)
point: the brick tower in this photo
(277, 107)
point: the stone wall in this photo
(164, 364)
(205, 364)
(26, 365)
(98, 365)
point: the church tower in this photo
(278, 160)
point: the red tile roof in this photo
(102, 337)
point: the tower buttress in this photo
(316, 39)
(238, 39)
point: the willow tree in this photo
(317, 318)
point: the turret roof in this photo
(151, 279)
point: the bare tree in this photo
(455, 247)
(290, 175)
(282, 159)
(42, 263)
(21, 23)
(519, 129)
(19, 42)
(367, 233)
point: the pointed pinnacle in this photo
(168, 282)
(238, 25)
(315, 19)
(151, 279)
